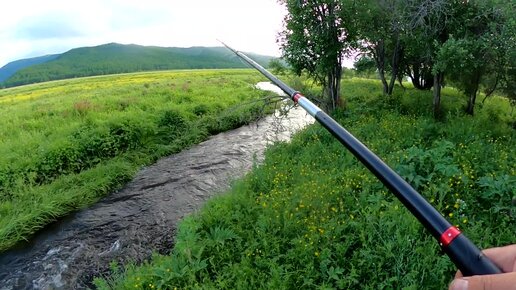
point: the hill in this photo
(116, 58)
(11, 68)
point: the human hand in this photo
(505, 258)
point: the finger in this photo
(506, 281)
(504, 257)
(458, 284)
(458, 274)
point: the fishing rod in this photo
(463, 253)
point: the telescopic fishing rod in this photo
(463, 253)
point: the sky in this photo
(30, 28)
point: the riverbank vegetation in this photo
(312, 217)
(65, 144)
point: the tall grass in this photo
(65, 144)
(312, 217)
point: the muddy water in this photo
(130, 224)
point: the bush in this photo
(493, 112)
(173, 121)
(61, 158)
(201, 110)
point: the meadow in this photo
(312, 217)
(65, 144)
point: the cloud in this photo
(47, 26)
(32, 27)
(134, 14)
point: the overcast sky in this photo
(31, 28)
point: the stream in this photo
(141, 218)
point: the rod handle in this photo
(469, 259)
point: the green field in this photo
(65, 144)
(312, 217)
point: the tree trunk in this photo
(395, 64)
(471, 103)
(400, 81)
(331, 91)
(379, 58)
(333, 87)
(338, 78)
(491, 90)
(336, 71)
(421, 77)
(414, 76)
(437, 94)
(472, 94)
(384, 82)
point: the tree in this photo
(477, 48)
(315, 38)
(502, 78)
(417, 64)
(381, 27)
(508, 79)
(276, 66)
(429, 21)
(365, 65)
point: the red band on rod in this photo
(296, 97)
(449, 235)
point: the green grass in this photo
(312, 217)
(65, 144)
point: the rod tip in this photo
(227, 46)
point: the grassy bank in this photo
(312, 217)
(65, 144)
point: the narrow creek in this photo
(128, 225)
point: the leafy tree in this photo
(470, 42)
(277, 66)
(502, 75)
(316, 36)
(417, 66)
(381, 25)
(365, 65)
(508, 81)
(476, 49)
(428, 30)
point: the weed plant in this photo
(312, 217)
(65, 144)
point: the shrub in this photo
(200, 110)
(173, 121)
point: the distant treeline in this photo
(117, 58)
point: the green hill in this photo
(11, 68)
(116, 58)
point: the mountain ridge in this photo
(113, 58)
(12, 67)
